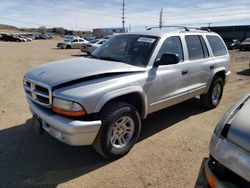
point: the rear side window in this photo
(217, 45)
(194, 46)
(172, 45)
(204, 46)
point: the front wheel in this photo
(212, 98)
(120, 129)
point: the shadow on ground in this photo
(80, 55)
(29, 160)
(245, 72)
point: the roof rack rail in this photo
(205, 29)
(200, 28)
(156, 27)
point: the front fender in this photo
(121, 92)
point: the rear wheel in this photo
(212, 98)
(120, 129)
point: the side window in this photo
(172, 45)
(194, 46)
(76, 40)
(217, 45)
(204, 47)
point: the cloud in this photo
(107, 13)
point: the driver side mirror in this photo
(167, 59)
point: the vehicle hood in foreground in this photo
(63, 71)
(239, 131)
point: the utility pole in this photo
(123, 16)
(160, 21)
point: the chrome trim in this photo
(34, 93)
(169, 98)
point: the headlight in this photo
(68, 108)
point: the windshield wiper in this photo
(109, 58)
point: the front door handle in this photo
(184, 72)
(211, 66)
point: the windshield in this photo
(247, 40)
(131, 49)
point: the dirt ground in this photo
(169, 153)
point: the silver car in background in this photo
(229, 162)
(92, 45)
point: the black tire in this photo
(207, 99)
(109, 116)
(68, 47)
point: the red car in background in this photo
(245, 45)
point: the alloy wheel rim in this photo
(216, 94)
(122, 132)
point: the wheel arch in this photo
(221, 73)
(132, 95)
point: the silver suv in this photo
(100, 100)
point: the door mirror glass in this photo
(167, 59)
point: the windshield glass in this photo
(247, 40)
(131, 49)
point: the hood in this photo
(60, 72)
(239, 131)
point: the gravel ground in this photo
(169, 153)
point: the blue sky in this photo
(88, 14)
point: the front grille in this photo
(37, 92)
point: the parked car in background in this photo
(89, 38)
(43, 37)
(245, 45)
(11, 38)
(29, 39)
(23, 39)
(74, 43)
(92, 45)
(229, 161)
(232, 44)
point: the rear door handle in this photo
(184, 72)
(211, 66)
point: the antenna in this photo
(123, 16)
(160, 21)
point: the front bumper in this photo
(228, 73)
(69, 131)
(218, 176)
(231, 156)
